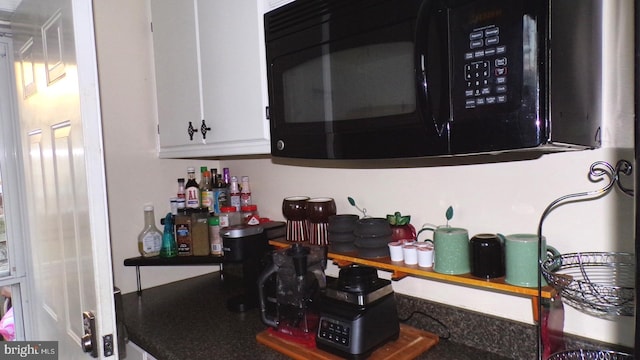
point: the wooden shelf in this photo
(400, 270)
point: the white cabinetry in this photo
(210, 65)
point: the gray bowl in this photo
(372, 227)
(346, 237)
(371, 242)
(342, 223)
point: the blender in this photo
(287, 290)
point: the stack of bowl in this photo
(372, 236)
(340, 232)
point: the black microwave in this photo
(372, 79)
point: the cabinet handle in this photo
(191, 130)
(204, 129)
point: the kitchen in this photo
(508, 197)
(497, 196)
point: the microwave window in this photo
(365, 82)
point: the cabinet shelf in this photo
(400, 270)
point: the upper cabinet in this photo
(210, 78)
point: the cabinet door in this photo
(234, 73)
(176, 66)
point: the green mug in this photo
(521, 259)
(451, 249)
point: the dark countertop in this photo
(189, 319)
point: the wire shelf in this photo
(582, 354)
(598, 283)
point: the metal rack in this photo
(596, 283)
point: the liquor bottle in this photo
(226, 176)
(220, 193)
(150, 238)
(206, 191)
(234, 193)
(192, 190)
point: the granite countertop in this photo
(189, 319)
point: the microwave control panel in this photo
(491, 41)
(486, 69)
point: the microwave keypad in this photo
(334, 332)
(485, 69)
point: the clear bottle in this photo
(206, 191)
(229, 216)
(245, 192)
(192, 190)
(180, 193)
(250, 215)
(150, 238)
(234, 193)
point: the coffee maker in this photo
(248, 245)
(287, 291)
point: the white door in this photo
(60, 125)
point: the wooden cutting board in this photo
(411, 343)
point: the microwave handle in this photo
(432, 63)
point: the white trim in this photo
(16, 217)
(94, 160)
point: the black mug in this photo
(487, 256)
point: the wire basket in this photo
(590, 355)
(597, 283)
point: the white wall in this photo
(135, 175)
(505, 197)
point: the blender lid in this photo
(359, 285)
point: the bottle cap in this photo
(191, 170)
(249, 208)
(228, 209)
(203, 168)
(148, 207)
(214, 221)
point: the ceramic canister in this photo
(451, 250)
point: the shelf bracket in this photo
(398, 275)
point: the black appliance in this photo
(248, 245)
(366, 79)
(358, 313)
